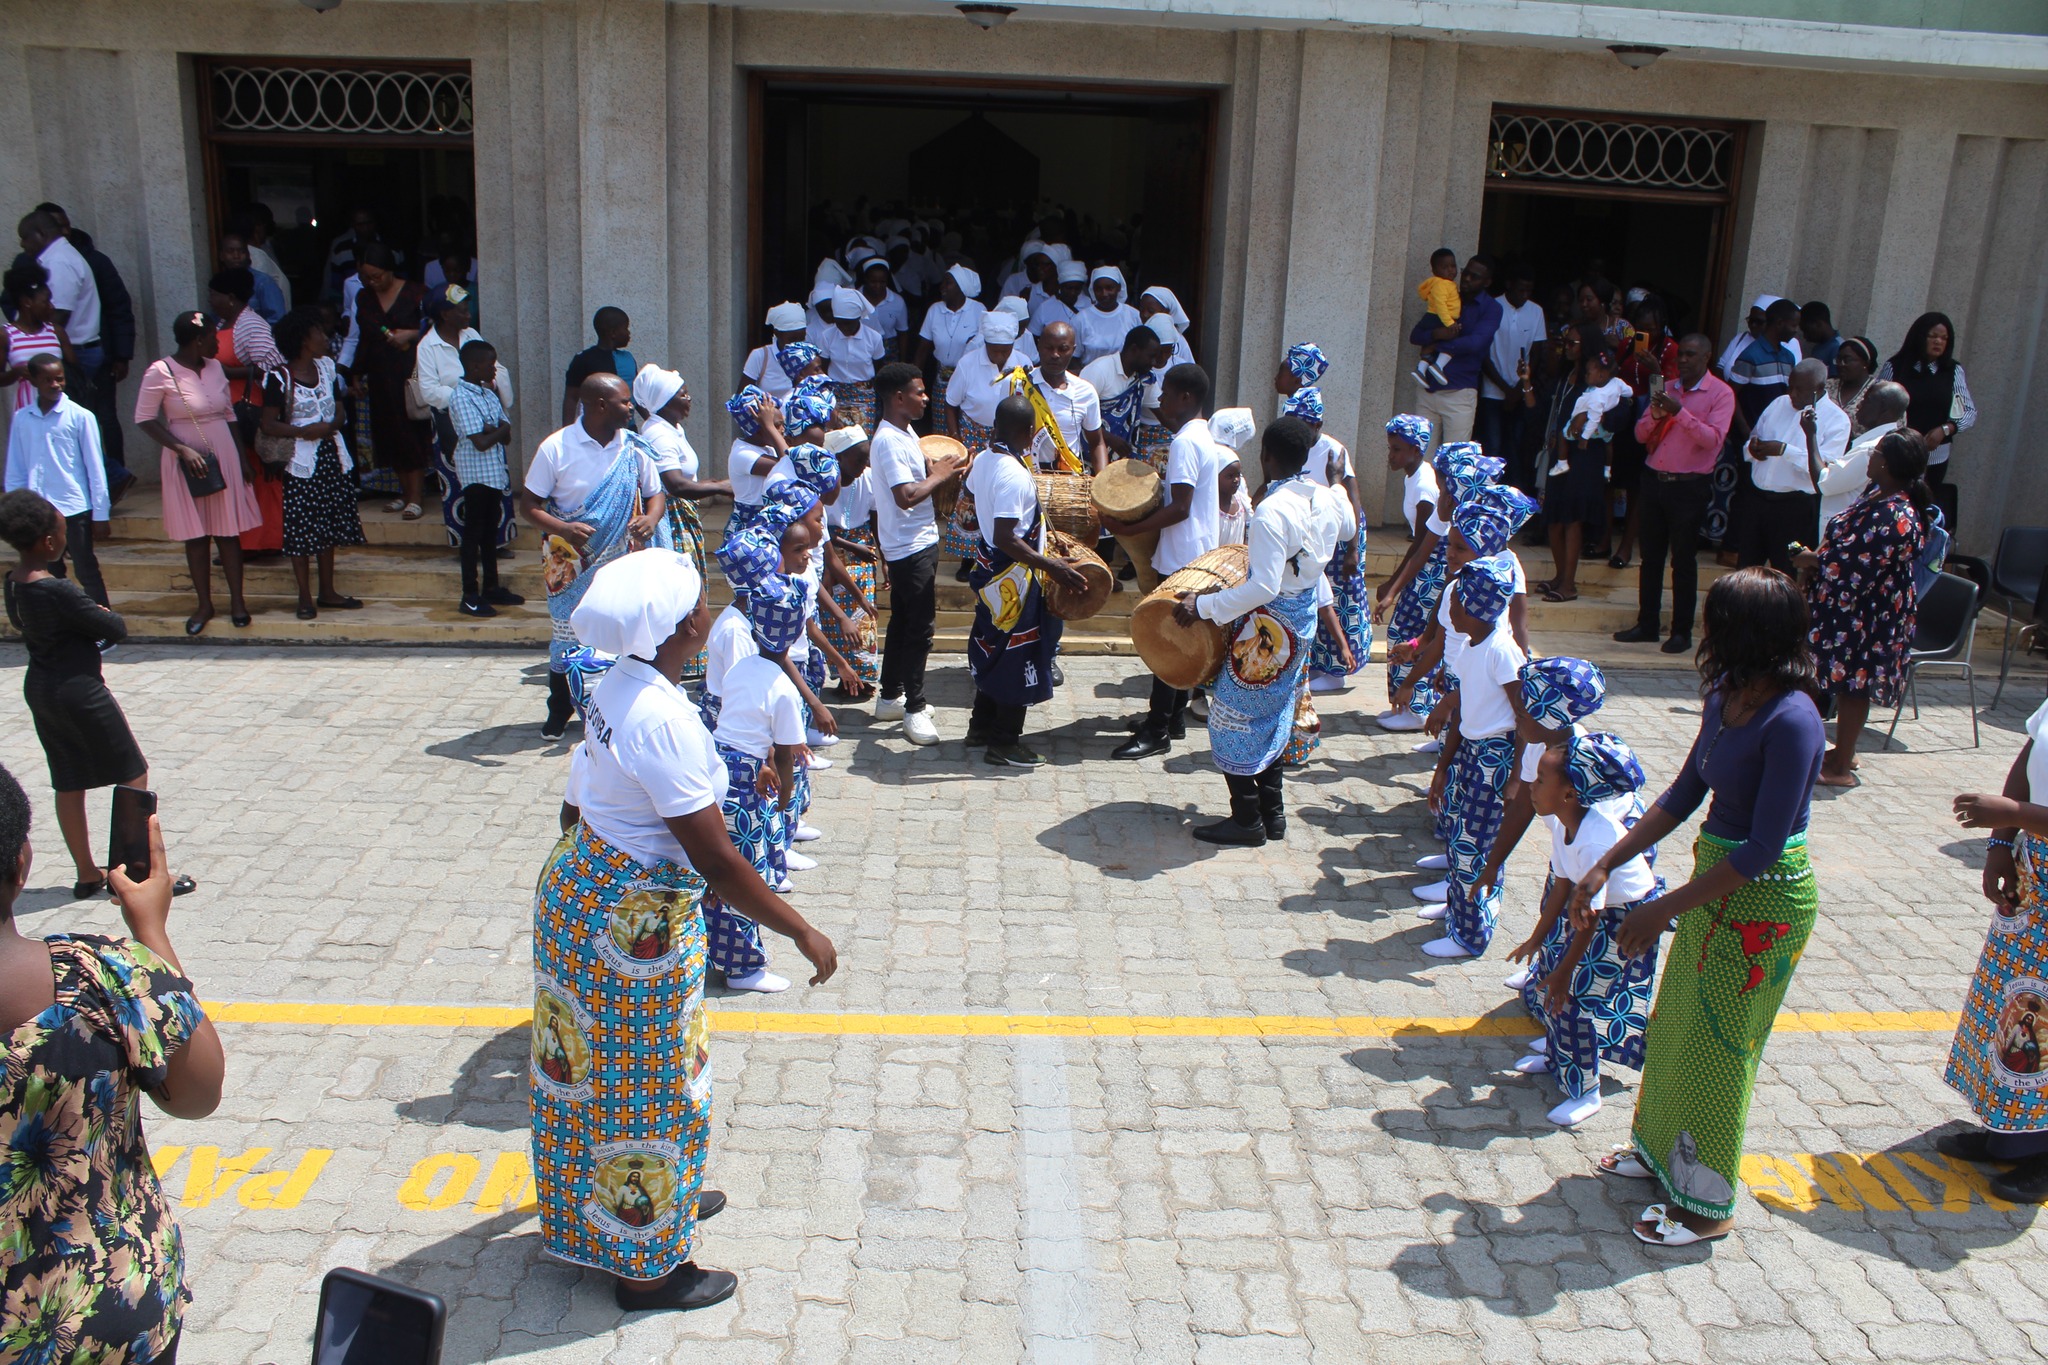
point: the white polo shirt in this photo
(950, 332)
(765, 371)
(897, 459)
(672, 449)
(72, 289)
(758, 707)
(851, 359)
(977, 385)
(570, 463)
(645, 757)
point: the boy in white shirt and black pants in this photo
(909, 533)
(1297, 526)
(1188, 523)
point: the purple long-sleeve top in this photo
(1480, 320)
(1761, 776)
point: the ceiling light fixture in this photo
(1636, 56)
(986, 17)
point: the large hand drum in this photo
(936, 447)
(1065, 603)
(1187, 656)
(1066, 502)
(1127, 491)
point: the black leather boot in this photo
(560, 708)
(1272, 803)
(1243, 829)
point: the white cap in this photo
(786, 317)
(1161, 328)
(1014, 305)
(841, 439)
(1073, 272)
(998, 328)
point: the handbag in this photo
(274, 452)
(416, 408)
(212, 479)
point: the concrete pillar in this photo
(172, 215)
(1249, 335)
(1777, 197)
(707, 203)
(1902, 267)
(621, 90)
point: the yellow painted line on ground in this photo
(1039, 1025)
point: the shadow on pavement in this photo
(490, 1090)
(490, 747)
(1129, 840)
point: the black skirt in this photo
(83, 732)
(1580, 493)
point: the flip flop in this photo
(1625, 1162)
(412, 512)
(395, 505)
(1666, 1231)
(1825, 781)
(1553, 595)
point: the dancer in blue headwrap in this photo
(1302, 365)
(1335, 656)
(1465, 472)
(1592, 999)
(1418, 581)
(756, 451)
(1478, 756)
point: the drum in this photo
(1073, 606)
(936, 447)
(1067, 504)
(1128, 490)
(1187, 656)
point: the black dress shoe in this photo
(1678, 644)
(1059, 675)
(1177, 730)
(686, 1287)
(2026, 1183)
(1972, 1144)
(1232, 834)
(709, 1202)
(1144, 744)
(1635, 635)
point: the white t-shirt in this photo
(851, 359)
(570, 463)
(731, 639)
(1843, 481)
(1106, 374)
(1317, 467)
(1097, 333)
(2037, 761)
(1002, 487)
(72, 289)
(1195, 458)
(758, 707)
(1520, 329)
(977, 386)
(645, 757)
(950, 332)
(897, 459)
(1599, 830)
(672, 449)
(766, 372)
(854, 505)
(1418, 488)
(1076, 407)
(1485, 670)
(747, 486)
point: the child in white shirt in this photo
(1604, 393)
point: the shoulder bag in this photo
(211, 480)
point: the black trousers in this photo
(78, 553)
(913, 606)
(1002, 722)
(482, 508)
(1167, 706)
(1674, 510)
(1770, 522)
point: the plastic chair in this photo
(2016, 575)
(1944, 636)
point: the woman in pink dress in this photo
(184, 407)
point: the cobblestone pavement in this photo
(921, 1186)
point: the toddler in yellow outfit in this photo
(1439, 296)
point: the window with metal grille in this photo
(430, 104)
(1567, 149)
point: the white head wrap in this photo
(1073, 272)
(654, 386)
(1014, 305)
(1163, 329)
(998, 328)
(848, 305)
(831, 274)
(841, 439)
(1060, 252)
(635, 602)
(861, 266)
(821, 293)
(1033, 247)
(1763, 302)
(1233, 426)
(1164, 297)
(1109, 272)
(969, 282)
(786, 317)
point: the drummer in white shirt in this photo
(1189, 524)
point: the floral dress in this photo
(1862, 598)
(94, 1267)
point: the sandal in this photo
(1666, 1231)
(412, 512)
(240, 620)
(1553, 595)
(395, 505)
(307, 613)
(1626, 1162)
(85, 891)
(1618, 562)
(182, 885)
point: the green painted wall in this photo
(1972, 16)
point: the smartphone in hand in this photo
(128, 844)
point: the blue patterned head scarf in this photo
(743, 406)
(585, 668)
(1558, 692)
(808, 405)
(1484, 588)
(1306, 403)
(1465, 468)
(797, 357)
(1306, 361)
(1601, 767)
(1489, 518)
(774, 601)
(816, 467)
(1412, 428)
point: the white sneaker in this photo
(817, 763)
(1539, 1045)
(805, 834)
(888, 708)
(818, 739)
(784, 887)
(1398, 721)
(1445, 947)
(1438, 892)
(1574, 1112)
(1535, 1064)
(1326, 682)
(1430, 746)
(918, 727)
(763, 981)
(1433, 912)
(1514, 981)
(798, 862)
(1434, 862)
